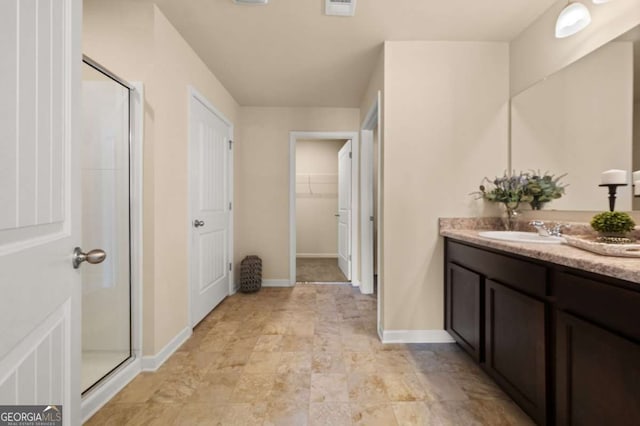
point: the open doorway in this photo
(323, 230)
(321, 217)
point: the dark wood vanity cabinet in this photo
(515, 354)
(597, 375)
(597, 350)
(495, 310)
(563, 343)
(464, 291)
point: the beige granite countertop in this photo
(468, 230)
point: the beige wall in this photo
(445, 129)
(579, 122)
(376, 83)
(138, 43)
(262, 177)
(536, 53)
(317, 197)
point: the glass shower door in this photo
(106, 287)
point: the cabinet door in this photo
(597, 375)
(515, 347)
(463, 308)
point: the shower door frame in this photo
(100, 393)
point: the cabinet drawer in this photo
(519, 274)
(612, 307)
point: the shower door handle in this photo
(94, 257)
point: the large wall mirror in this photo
(583, 120)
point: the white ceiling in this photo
(288, 53)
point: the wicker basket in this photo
(250, 274)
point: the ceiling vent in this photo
(340, 7)
(251, 1)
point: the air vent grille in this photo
(251, 1)
(340, 7)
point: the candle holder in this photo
(613, 188)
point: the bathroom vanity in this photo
(557, 328)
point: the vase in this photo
(536, 204)
(510, 218)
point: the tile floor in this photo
(308, 355)
(324, 270)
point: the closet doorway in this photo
(322, 212)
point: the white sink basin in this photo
(521, 237)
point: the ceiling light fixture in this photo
(251, 1)
(573, 18)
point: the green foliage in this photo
(613, 222)
(525, 187)
(544, 188)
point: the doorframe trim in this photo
(193, 93)
(294, 136)
(374, 118)
(137, 215)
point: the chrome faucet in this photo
(545, 231)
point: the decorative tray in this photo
(589, 243)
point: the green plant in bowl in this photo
(612, 225)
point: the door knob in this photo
(94, 257)
(198, 223)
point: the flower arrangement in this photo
(524, 187)
(544, 188)
(511, 190)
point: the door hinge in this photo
(350, 154)
(230, 144)
(230, 266)
(349, 258)
(230, 206)
(371, 218)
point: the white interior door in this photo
(344, 209)
(209, 173)
(40, 204)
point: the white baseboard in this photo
(152, 363)
(318, 255)
(276, 283)
(355, 283)
(98, 397)
(416, 336)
